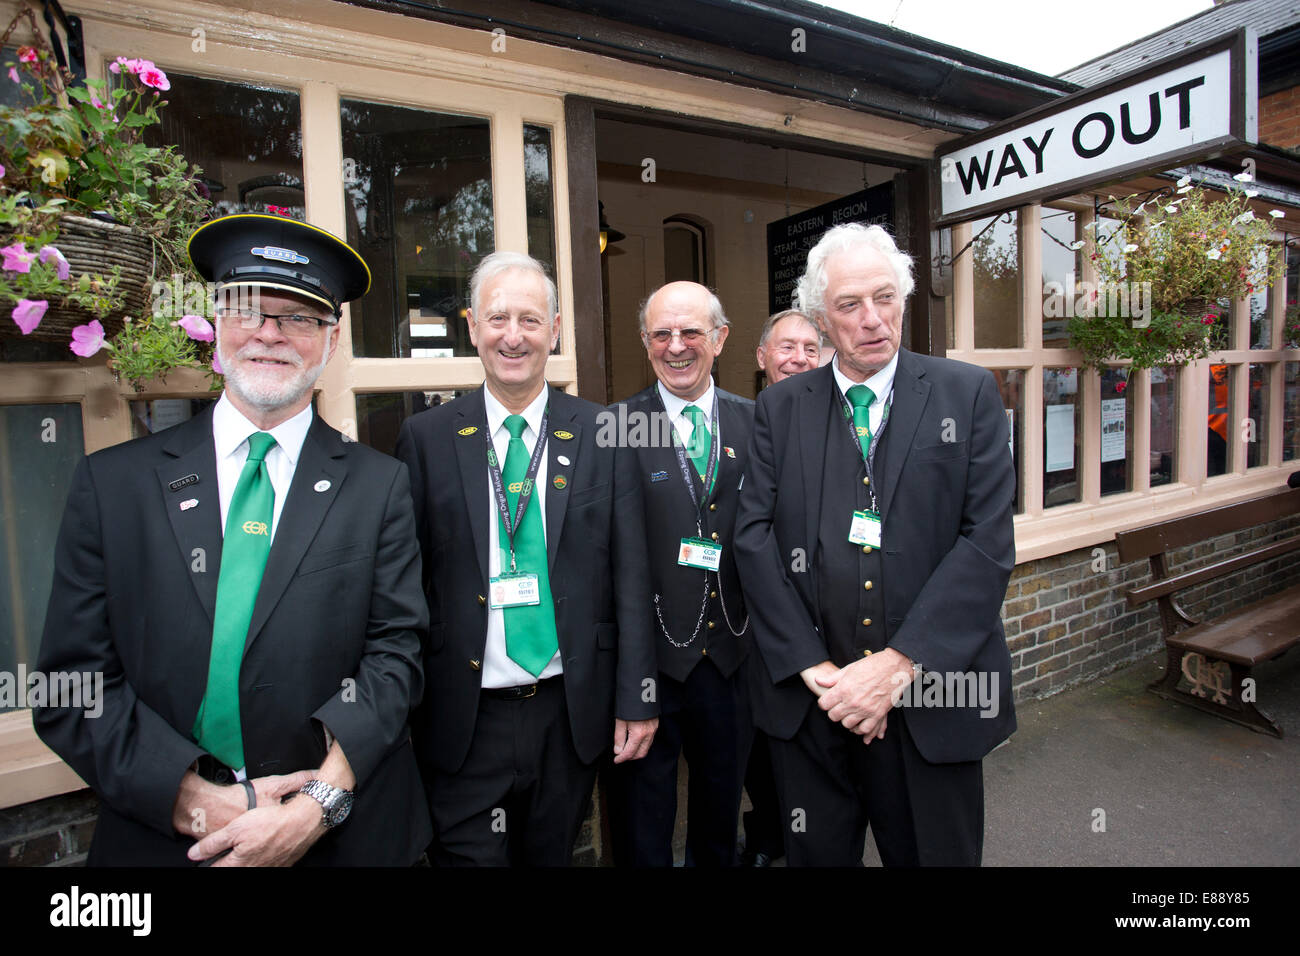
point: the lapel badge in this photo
(322, 485)
(560, 482)
(562, 435)
(180, 483)
(731, 452)
(560, 459)
(658, 476)
(189, 503)
(467, 431)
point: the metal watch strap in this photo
(333, 800)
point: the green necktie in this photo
(698, 448)
(531, 641)
(861, 397)
(243, 559)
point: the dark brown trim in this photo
(587, 314)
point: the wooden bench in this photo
(1216, 657)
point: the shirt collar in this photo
(673, 405)
(880, 383)
(498, 413)
(230, 430)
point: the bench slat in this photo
(1248, 635)
(1158, 589)
(1192, 529)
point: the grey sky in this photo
(1044, 35)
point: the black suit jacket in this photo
(595, 545)
(948, 544)
(670, 516)
(334, 638)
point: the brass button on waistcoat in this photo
(715, 536)
(713, 594)
(713, 506)
(868, 585)
(866, 481)
(866, 622)
(712, 625)
(475, 665)
(481, 600)
(866, 549)
(866, 653)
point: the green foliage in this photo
(1191, 252)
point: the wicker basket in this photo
(93, 247)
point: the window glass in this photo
(380, 414)
(1061, 419)
(1291, 335)
(540, 195)
(1255, 428)
(1116, 431)
(1011, 385)
(150, 417)
(1291, 413)
(1060, 275)
(246, 139)
(1259, 306)
(995, 259)
(418, 186)
(40, 446)
(1216, 439)
(1164, 424)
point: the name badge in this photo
(514, 590)
(865, 528)
(698, 553)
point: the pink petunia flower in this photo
(62, 267)
(2, 171)
(17, 258)
(216, 363)
(87, 339)
(155, 78)
(28, 313)
(13, 75)
(196, 327)
(27, 54)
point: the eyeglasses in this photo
(661, 338)
(294, 326)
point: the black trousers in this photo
(706, 717)
(522, 793)
(764, 832)
(832, 785)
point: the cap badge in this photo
(280, 254)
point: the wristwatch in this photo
(335, 802)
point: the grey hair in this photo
(772, 320)
(498, 262)
(717, 318)
(811, 289)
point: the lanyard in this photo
(710, 467)
(525, 493)
(869, 458)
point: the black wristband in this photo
(252, 794)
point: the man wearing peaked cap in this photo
(248, 583)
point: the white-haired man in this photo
(535, 574)
(882, 562)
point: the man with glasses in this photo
(248, 585)
(690, 466)
(534, 569)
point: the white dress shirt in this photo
(881, 385)
(674, 405)
(230, 431)
(498, 669)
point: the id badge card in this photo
(514, 590)
(698, 553)
(865, 529)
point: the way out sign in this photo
(1187, 108)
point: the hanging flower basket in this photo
(96, 249)
(1170, 264)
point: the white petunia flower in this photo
(1277, 213)
(1244, 177)
(1214, 254)
(1185, 181)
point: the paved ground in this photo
(1178, 787)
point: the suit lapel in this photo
(562, 418)
(911, 392)
(323, 459)
(471, 455)
(190, 451)
(810, 415)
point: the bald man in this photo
(691, 451)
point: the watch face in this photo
(342, 807)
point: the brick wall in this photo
(1067, 623)
(1279, 118)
